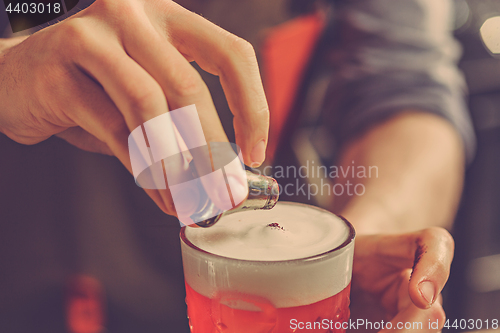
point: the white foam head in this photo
(255, 253)
(282, 233)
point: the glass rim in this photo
(350, 238)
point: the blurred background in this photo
(77, 233)
(474, 287)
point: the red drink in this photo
(285, 293)
(323, 316)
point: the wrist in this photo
(371, 218)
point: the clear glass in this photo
(263, 193)
(232, 295)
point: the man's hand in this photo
(399, 278)
(98, 75)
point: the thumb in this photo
(413, 319)
(433, 256)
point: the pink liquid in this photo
(215, 316)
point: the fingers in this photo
(82, 139)
(380, 259)
(140, 97)
(413, 319)
(83, 103)
(141, 76)
(179, 81)
(183, 87)
(102, 127)
(233, 60)
(410, 318)
(134, 92)
(433, 256)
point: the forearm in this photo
(417, 162)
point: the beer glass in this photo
(284, 270)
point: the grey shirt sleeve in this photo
(392, 56)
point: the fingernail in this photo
(428, 291)
(238, 190)
(258, 154)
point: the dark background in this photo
(477, 226)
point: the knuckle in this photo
(73, 34)
(242, 47)
(143, 100)
(106, 6)
(242, 52)
(440, 234)
(263, 113)
(116, 128)
(188, 85)
(120, 12)
(447, 239)
(73, 29)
